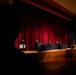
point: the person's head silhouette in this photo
(10, 24)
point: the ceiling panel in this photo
(68, 4)
(57, 7)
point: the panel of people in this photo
(48, 46)
(40, 46)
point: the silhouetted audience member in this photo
(12, 60)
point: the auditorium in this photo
(46, 42)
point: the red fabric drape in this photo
(18, 39)
(36, 28)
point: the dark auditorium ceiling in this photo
(62, 8)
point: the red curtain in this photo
(18, 39)
(38, 28)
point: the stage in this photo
(54, 59)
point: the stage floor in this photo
(56, 62)
(69, 69)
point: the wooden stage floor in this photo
(69, 69)
(56, 62)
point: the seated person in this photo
(42, 46)
(48, 45)
(37, 45)
(60, 45)
(57, 44)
